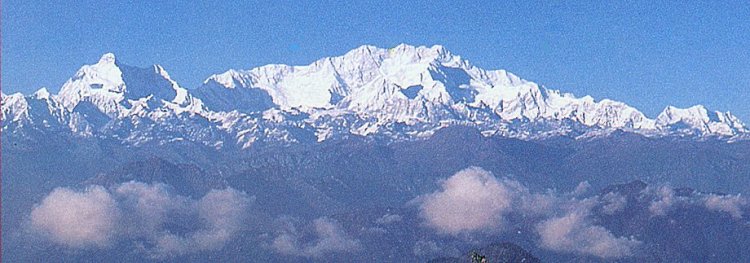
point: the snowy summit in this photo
(399, 93)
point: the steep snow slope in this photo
(119, 90)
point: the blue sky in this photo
(646, 54)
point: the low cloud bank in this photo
(77, 219)
(664, 200)
(472, 199)
(475, 200)
(731, 204)
(574, 232)
(170, 224)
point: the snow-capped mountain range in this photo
(401, 93)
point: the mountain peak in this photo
(436, 51)
(700, 119)
(692, 111)
(162, 72)
(42, 93)
(403, 46)
(107, 58)
(363, 49)
(440, 49)
(401, 92)
(110, 85)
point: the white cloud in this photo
(136, 210)
(574, 232)
(426, 248)
(77, 219)
(582, 188)
(472, 199)
(731, 204)
(538, 205)
(286, 243)
(665, 199)
(330, 237)
(388, 218)
(663, 202)
(147, 207)
(613, 203)
(222, 213)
